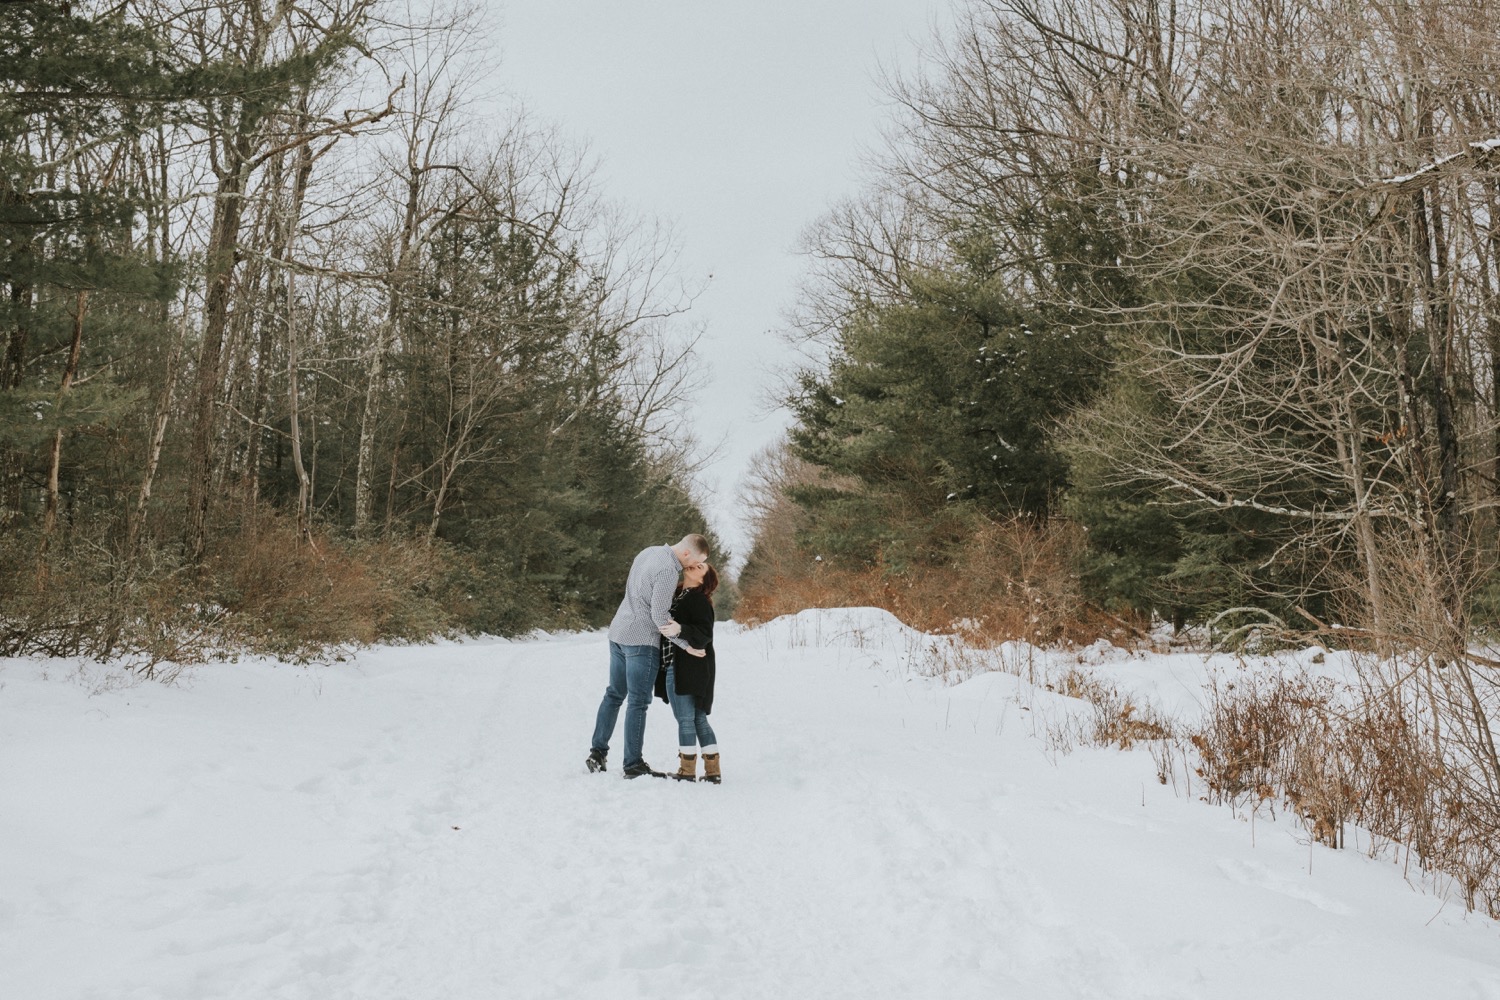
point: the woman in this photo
(686, 678)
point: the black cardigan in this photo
(694, 674)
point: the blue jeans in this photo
(692, 725)
(632, 677)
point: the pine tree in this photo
(943, 402)
(77, 92)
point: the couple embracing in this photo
(662, 642)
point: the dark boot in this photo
(711, 767)
(636, 770)
(596, 760)
(687, 767)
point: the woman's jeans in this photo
(692, 725)
(632, 675)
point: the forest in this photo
(307, 343)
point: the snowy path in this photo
(417, 824)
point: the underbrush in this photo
(1367, 752)
(1373, 743)
(1016, 582)
(1329, 754)
(261, 590)
(1332, 755)
(1360, 753)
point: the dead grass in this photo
(1117, 719)
(1016, 582)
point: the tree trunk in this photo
(287, 223)
(364, 494)
(161, 418)
(304, 530)
(220, 260)
(54, 464)
(135, 518)
(260, 401)
(20, 333)
(1450, 521)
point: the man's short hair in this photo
(697, 543)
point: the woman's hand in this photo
(670, 629)
(695, 652)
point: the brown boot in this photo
(687, 766)
(711, 767)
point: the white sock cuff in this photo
(689, 751)
(708, 750)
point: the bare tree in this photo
(437, 57)
(270, 40)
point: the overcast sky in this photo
(738, 123)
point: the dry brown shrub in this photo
(289, 596)
(1011, 580)
(1276, 739)
(1117, 719)
(51, 617)
(262, 588)
(1336, 756)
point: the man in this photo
(645, 616)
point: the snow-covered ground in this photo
(417, 823)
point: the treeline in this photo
(1202, 299)
(301, 347)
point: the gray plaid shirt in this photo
(648, 598)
